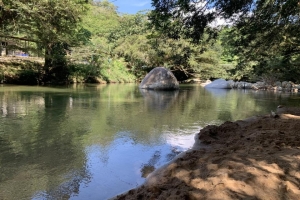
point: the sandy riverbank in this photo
(257, 158)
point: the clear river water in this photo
(97, 141)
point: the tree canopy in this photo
(261, 32)
(52, 24)
(190, 18)
(257, 38)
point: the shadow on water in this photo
(149, 167)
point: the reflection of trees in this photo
(146, 120)
(6, 146)
(70, 187)
(43, 133)
(159, 100)
(40, 148)
(225, 116)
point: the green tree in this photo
(129, 41)
(53, 24)
(144, 49)
(186, 59)
(190, 19)
(269, 37)
(263, 36)
(98, 61)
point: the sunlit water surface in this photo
(97, 141)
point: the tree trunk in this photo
(48, 63)
(55, 63)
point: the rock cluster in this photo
(287, 86)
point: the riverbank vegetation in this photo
(86, 41)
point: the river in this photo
(96, 141)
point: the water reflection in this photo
(217, 92)
(159, 100)
(37, 148)
(225, 116)
(149, 167)
(95, 141)
(68, 188)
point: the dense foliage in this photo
(52, 24)
(269, 37)
(262, 36)
(86, 41)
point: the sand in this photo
(257, 158)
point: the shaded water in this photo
(96, 141)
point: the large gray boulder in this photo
(160, 78)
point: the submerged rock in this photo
(160, 78)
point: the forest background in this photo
(74, 41)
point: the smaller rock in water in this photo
(220, 84)
(160, 78)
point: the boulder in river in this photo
(220, 84)
(160, 78)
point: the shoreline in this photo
(255, 158)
